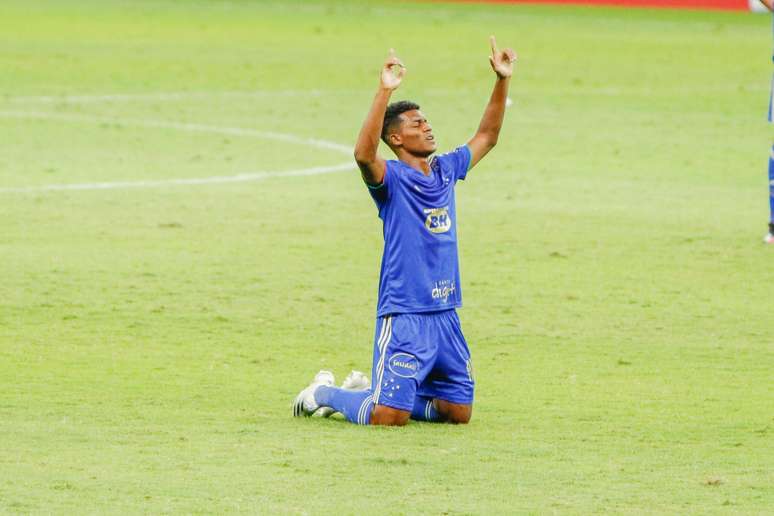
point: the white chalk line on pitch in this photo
(183, 126)
(160, 96)
(238, 178)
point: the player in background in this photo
(421, 365)
(769, 238)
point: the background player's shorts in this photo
(771, 100)
(422, 353)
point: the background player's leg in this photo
(770, 236)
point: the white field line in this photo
(152, 97)
(238, 178)
(182, 126)
(234, 131)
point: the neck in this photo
(420, 163)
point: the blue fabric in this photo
(355, 405)
(771, 185)
(421, 355)
(420, 269)
(424, 410)
(771, 100)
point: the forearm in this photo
(494, 113)
(368, 139)
(769, 4)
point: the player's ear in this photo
(395, 140)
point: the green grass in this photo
(617, 296)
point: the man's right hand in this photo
(390, 80)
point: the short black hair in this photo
(392, 115)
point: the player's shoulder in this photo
(460, 151)
(457, 158)
(396, 167)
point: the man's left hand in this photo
(502, 61)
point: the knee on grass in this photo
(454, 413)
(389, 416)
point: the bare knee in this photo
(389, 416)
(455, 413)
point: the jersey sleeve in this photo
(381, 193)
(458, 161)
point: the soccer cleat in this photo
(305, 404)
(355, 381)
(769, 238)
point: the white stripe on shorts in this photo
(380, 365)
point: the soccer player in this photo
(769, 238)
(421, 364)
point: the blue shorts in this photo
(421, 354)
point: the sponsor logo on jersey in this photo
(443, 289)
(438, 219)
(403, 365)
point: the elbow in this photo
(363, 158)
(487, 140)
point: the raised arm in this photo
(769, 4)
(368, 160)
(489, 128)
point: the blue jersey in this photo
(420, 268)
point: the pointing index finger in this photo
(392, 60)
(494, 45)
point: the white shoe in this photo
(769, 238)
(355, 381)
(305, 404)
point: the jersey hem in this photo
(421, 310)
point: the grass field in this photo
(617, 294)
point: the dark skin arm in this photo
(372, 165)
(485, 139)
(769, 4)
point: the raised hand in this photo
(501, 60)
(390, 76)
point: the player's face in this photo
(416, 134)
